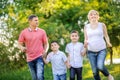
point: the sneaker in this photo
(110, 77)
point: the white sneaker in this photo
(110, 77)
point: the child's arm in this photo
(45, 61)
(68, 61)
(84, 52)
(68, 57)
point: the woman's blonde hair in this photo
(92, 11)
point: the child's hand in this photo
(83, 54)
(68, 66)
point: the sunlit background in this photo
(58, 18)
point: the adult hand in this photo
(85, 44)
(83, 54)
(109, 44)
(68, 66)
(44, 54)
(23, 49)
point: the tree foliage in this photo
(57, 17)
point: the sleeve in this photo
(67, 49)
(44, 39)
(82, 47)
(64, 57)
(48, 59)
(21, 37)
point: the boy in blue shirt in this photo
(75, 51)
(58, 60)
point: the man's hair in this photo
(74, 31)
(31, 17)
(54, 42)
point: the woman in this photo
(95, 32)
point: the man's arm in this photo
(21, 47)
(45, 61)
(46, 47)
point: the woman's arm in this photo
(85, 38)
(83, 52)
(106, 36)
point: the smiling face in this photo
(34, 22)
(93, 16)
(74, 37)
(54, 46)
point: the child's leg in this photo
(62, 77)
(72, 73)
(55, 77)
(79, 73)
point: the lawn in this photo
(24, 74)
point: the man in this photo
(36, 47)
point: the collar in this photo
(56, 53)
(36, 29)
(74, 43)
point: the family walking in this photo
(34, 42)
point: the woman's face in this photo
(93, 16)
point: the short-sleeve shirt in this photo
(34, 41)
(58, 62)
(74, 51)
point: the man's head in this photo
(33, 20)
(74, 36)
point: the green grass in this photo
(24, 74)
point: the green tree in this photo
(57, 17)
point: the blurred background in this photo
(58, 18)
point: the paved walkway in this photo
(115, 61)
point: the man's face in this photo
(74, 37)
(34, 22)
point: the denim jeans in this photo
(37, 69)
(77, 71)
(59, 77)
(97, 60)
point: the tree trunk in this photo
(111, 56)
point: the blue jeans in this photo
(97, 60)
(59, 77)
(76, 71)
(37, 69)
